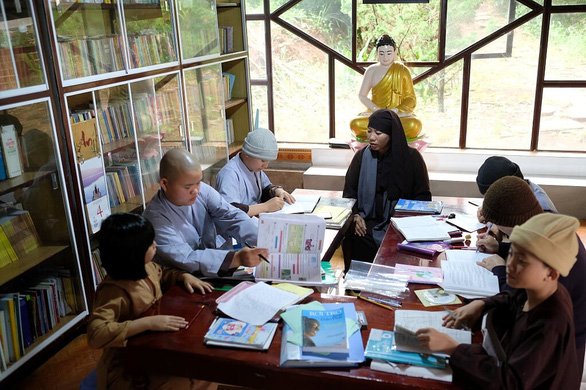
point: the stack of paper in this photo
(292, 353)
(303, 204)
(255, 303)
(381, 346)
(422, 228)
(464, 277)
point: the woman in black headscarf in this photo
(379, 174)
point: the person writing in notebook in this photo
(510, 201)
(242, 182)
(529, 335)
(134, 282)
(187, 214)
(379, 174)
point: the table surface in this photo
(184, 353)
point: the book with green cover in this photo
(380, 346)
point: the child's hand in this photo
(166, 323)
(287, 197)
(490, 262)
(190, 283)
(487, 243)
(479, 215)
(465, 315)
(436, 341)
(248, 257)
(274, 204)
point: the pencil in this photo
(259, 255)
(195, 316)
(376, 303)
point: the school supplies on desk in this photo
(436, 297)
(339, 208)
(303, 204)
(422, 228)
(429, 248)
(417, 274)
(466, 223)
(439, 374)
(468, 279)
(295, 243)
(381, 346)
(227, 332)
(410, 206)
(376, 278)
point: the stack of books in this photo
(18, 236)
(316, 335)
(226, 332)
(339, 209)
(408, 206)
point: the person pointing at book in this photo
(379, 174)
(529, 332)
(187, 214)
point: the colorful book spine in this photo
(11, 151)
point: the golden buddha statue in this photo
(392, 88)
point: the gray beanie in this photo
(261, 143)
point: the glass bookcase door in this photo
(89, 37)
(159, 124)
(198, 39)
(149, 32)
(20, 60)
(37, 252)
(205, 118)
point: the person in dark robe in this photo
(378, 176)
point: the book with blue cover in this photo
(419, 206)
(380, 346)
(324, 331)
(232, 333)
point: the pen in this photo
(487, 233)
(461, 247)
(454, 240)
(259, 255)
(451, 313)
(195, 316)
(472, 203)
(389, 302)
(375, 303)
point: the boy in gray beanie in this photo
(528, 332)
(242, 181)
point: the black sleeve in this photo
(504, 248)
(268, 192)
(421, 179)
(352, 176)
(241, 206)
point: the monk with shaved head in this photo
(190, 218)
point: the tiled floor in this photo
(68, 367)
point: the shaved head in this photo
(177, 161)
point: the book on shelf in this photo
(292, 354)
(4, 340)
(95, 192)
(230, 131)
(422, 228)
(7, 253)
(20, 232)
(11, 151)
(429, 248)
(381, 346)
(410, 206)
(9, 309)
(324, 331)
(233, 333)
(228, 79)
(226, 39)
(295, 243)
(85, 139)
(2, 166)
(419, 274)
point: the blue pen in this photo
(487, 233)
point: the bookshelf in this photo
(130, 80)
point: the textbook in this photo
(339, 208)
(324, 331)
(295, 243)
(422, 228)
(418, 274)
(233, 333)
(292, 355)
(380, 346)
(419, 206)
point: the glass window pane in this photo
(568, 2)
(254, 6)
(149, 28)
(413, 26)
(19, 49)
(257, 50)
(89, 38)
(439, 103)
(471, 20)
(563, 120)
(348, 105)
(500, 113)
(201, 38)
(260, 115)
(206, 124)
(300, 81)
(566, 53)
(330, 22)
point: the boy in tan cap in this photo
(529, 334)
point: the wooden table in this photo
(183, 353)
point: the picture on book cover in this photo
(94, 191)
(324, 331)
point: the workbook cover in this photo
(324, 331)
(230, 331)
(419, 206)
